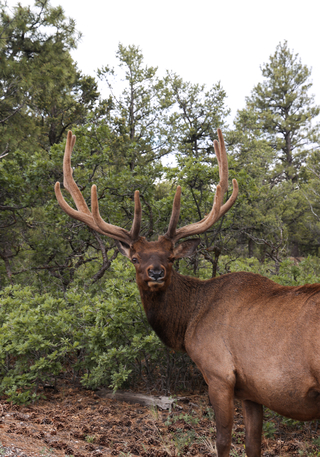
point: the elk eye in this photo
(134, 260)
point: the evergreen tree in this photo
(198, 112)
(42, 92)
(274, 135)
(284, 111)
(139, 109)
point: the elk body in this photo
(251, 338)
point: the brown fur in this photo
(251, 338)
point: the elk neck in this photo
(170, 312)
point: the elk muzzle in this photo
(156, 276)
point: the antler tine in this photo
(83, 214)
(221, 153)
(83, 217)
(200, 227)
(118, 233)
(68, 180)
(231, 200)
(136, 224)
(218, 210)
(175, 214)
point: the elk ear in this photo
(186, 248)
(123, 247)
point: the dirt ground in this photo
(80, 423)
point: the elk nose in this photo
(156, 273)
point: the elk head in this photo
(152, 260)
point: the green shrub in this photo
(290, 274)
(100, 338)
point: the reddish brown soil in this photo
(76, 422)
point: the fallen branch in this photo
(144, 400)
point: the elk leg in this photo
(223, 405)
(253, 417)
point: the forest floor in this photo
(80, 423)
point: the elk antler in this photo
(93, 220)
(217, 211)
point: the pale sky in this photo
(202, 41)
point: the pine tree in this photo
(42, 92)
(285, 111)
(139, 109)
(275, 134)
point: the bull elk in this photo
(251, 338)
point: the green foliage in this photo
(43, 91)
(307, 271)
(139, 112)
(187, 418)
(182, 440)
(269, 429)
(43, 94)
(285, 110)
(291, 423)
(33, 340)
(291, 272)
(90, 439)
(272, 140)
(100, 337)
(198, 112)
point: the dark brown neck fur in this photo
(167, 315)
